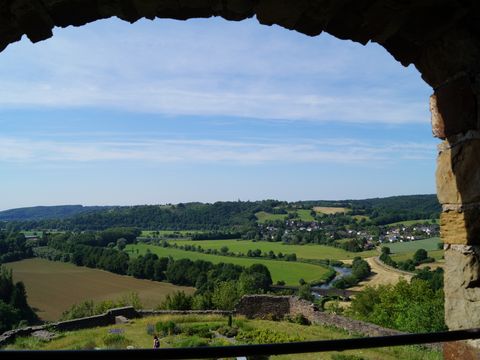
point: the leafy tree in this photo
(121, 243)
(412, 307)
(305, 292)
(434, 278)
(177, 301)
(14, 308)
(9, 316)
(386, 250)
(224, 250)
(420, 255)
(225, 295)
(360, 268)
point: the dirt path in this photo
(382, 275)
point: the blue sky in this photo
(204, 110)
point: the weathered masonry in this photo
(441, 38)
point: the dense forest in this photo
(14, 246)
(233, 216)
(397, 208)
(47, 212)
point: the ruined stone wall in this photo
(268, 306)
(144, 313)
(105, 319)
(263, 306)
(108, 318)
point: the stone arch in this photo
(440, 37)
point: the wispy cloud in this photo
(188, 70)
(21, 150)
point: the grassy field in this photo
(263, 217)
(290, 272)
(302, 214)
(412, 222)
(436, 254)
(360, 217)
(53, 287)
(185, 233)
(302, 251)
(330, 210)
(412, 246)
(135, 334)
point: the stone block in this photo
(453, 108)
(462, 287)
(460, 350)
(458, 173)
(461, 227)
(121, 320)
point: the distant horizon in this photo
(206, 202)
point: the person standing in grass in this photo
(156, 342)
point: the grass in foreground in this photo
(197, 331)
(290, 272)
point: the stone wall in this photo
(268, 306)
(263, 306)
(454, 108)
(105, 319)
(108, 318)
(145, 313)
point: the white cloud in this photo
(239, 70)
(22, 150)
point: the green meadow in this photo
(405, 250)
(263, 217)
(309, 251)
(413, 222)
(302, 214)
(290, 272)
(436, 254)
(412, 246)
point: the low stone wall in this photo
(302, 307)
(145, 313)
(268, 306)
(105, 319)
(353, 326)
(263, 306)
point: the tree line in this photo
(234, 216)
(209, 279)
(14, 309)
